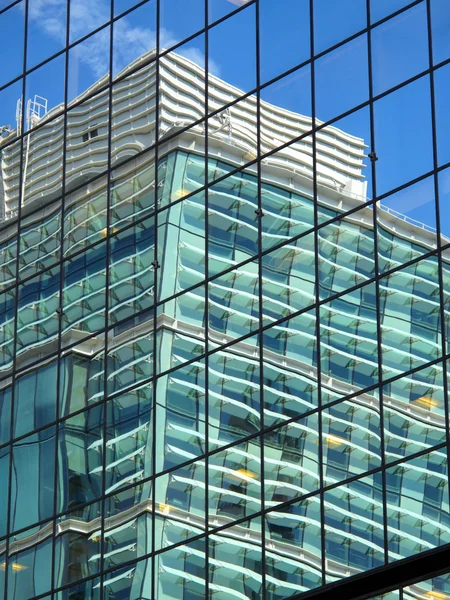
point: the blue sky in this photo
(399, 50)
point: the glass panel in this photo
(77, 556)
(289, 530)
(285, 111)
(336, 22)
(346, 254)
(88, 63)
(182, 84)
(83, 20)
(12, 46)
(417, 505)
(394, 136)
(35, 399)
(132, 42)
(348, 341)
(130, 356)
(81, 375)
(350, 439)
(223, 56)
(438, 587)
(129, 443)
(80, 462)
(343, 72)
(233, 304)
(291, 460)
(181, 416)
(285, 196)
(393, 63)
(233, 394)
(33, 469)
(414, 413)
(441, 94)
(440, 21)
(5, 454)
(406, 224)
(232, 223)
(288, 279)
(179, 20)
(131, 275)
(380, 9)
(234, 564)
(182, 572)
(83, 303)
(410, 317)
(27, 572)
(232, 138)
(234, 483)
(181, 246)
(354, 537)
(284, 42)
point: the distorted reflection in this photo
(204, 314)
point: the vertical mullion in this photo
(373, 159)
(61, 291)
(16, 296)
(106, 324)
(317, 293)
(438, 231)
(154, 482)
(260, 216)
(206, 315)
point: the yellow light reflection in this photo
(427, 402)
(181, 193)
(245, 473)
(164, 508)
(16, 567)
(437, 595)
(333, 441)
(104, 232)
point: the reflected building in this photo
(220, 376)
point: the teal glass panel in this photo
(233, 304)
(181, 416)
(291, 461)
(288, 279)
(293, 548)
(33, 460)
(410, 317)
(28, 574)
(181, 226)
(414, 412)
(129, 439)
(348, 340)
(417, 505)
(354, 534)
(350, 439)
(234, 483)
(234, 564)
(81, 376)
(345, 254)
(35, 399)
(80, 460)
(40, 240)
(131, 275)
(85, 220)
(233, 394)
(77, 556)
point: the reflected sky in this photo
(399, 51)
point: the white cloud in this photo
(130, 41)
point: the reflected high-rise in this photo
(223, 339)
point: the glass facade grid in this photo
(224, 314)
